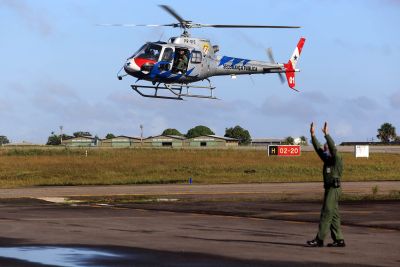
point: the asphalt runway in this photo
(193, 233)
(273, 190)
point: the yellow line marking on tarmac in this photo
(296, 222)
(294, 213)
(164, 193)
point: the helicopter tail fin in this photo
(290, 67)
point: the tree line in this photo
(236, 132)
(386, 134)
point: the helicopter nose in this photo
(131, 66)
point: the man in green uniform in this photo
(332, 172)
(182, 62)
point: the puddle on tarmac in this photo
(56, 256)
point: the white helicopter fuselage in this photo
(184, 60)
(157, 61)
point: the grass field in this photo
(46, 166)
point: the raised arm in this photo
(329, 140)
(315, 142)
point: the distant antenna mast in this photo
(141, 134)
(61, 133)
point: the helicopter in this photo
(174, 66)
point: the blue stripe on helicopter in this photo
(224, 60)
(167, 74)
(177, 77)
(189, 71)
(235, 60)
(155, 70)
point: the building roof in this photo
(217, 137)
(23, 143)
(123, 136)
(168, 136)
(224, 138)
(79, 137)
(266, 140)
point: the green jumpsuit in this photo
(182, 63)
(332, 173)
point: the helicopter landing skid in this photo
(178, 91)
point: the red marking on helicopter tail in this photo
(291, 65)
(289, 71)
(141, 61)
(301, 44)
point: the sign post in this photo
(361, 151)
(284, 150)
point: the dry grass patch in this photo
(29, 167)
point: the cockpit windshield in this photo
(137, 52)
(149, 51)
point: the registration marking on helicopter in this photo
(189, 41)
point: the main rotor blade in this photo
(247, 26)
(173, 13)
(136, 25)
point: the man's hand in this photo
(312, 129)
(325, 129)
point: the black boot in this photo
(315, 243)
(337, 244)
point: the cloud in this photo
(249, 40)
(34, 19)
(343, 129)
(4, 106)
(358, 108)
(315, 97)
(363, 103)
(386, 49)
(50, 103)
(156, 115)
(298, 106)
(53, 96)
(395, 100)
(393, 2)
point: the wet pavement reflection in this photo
(56, 256)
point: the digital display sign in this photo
(284, 150)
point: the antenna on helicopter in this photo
(185, 25)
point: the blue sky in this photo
(58, 68)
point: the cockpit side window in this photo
(150, 51)
(196, 57)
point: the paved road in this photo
(194, 232)
(131, 236)
(267, 189)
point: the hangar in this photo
(122, 141)
(212, 141)
(266, 141)
(81, 141)
(164, 141)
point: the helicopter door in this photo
(166, 59)
(181, 60)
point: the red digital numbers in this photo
(284, 150)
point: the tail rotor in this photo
(272, 60)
